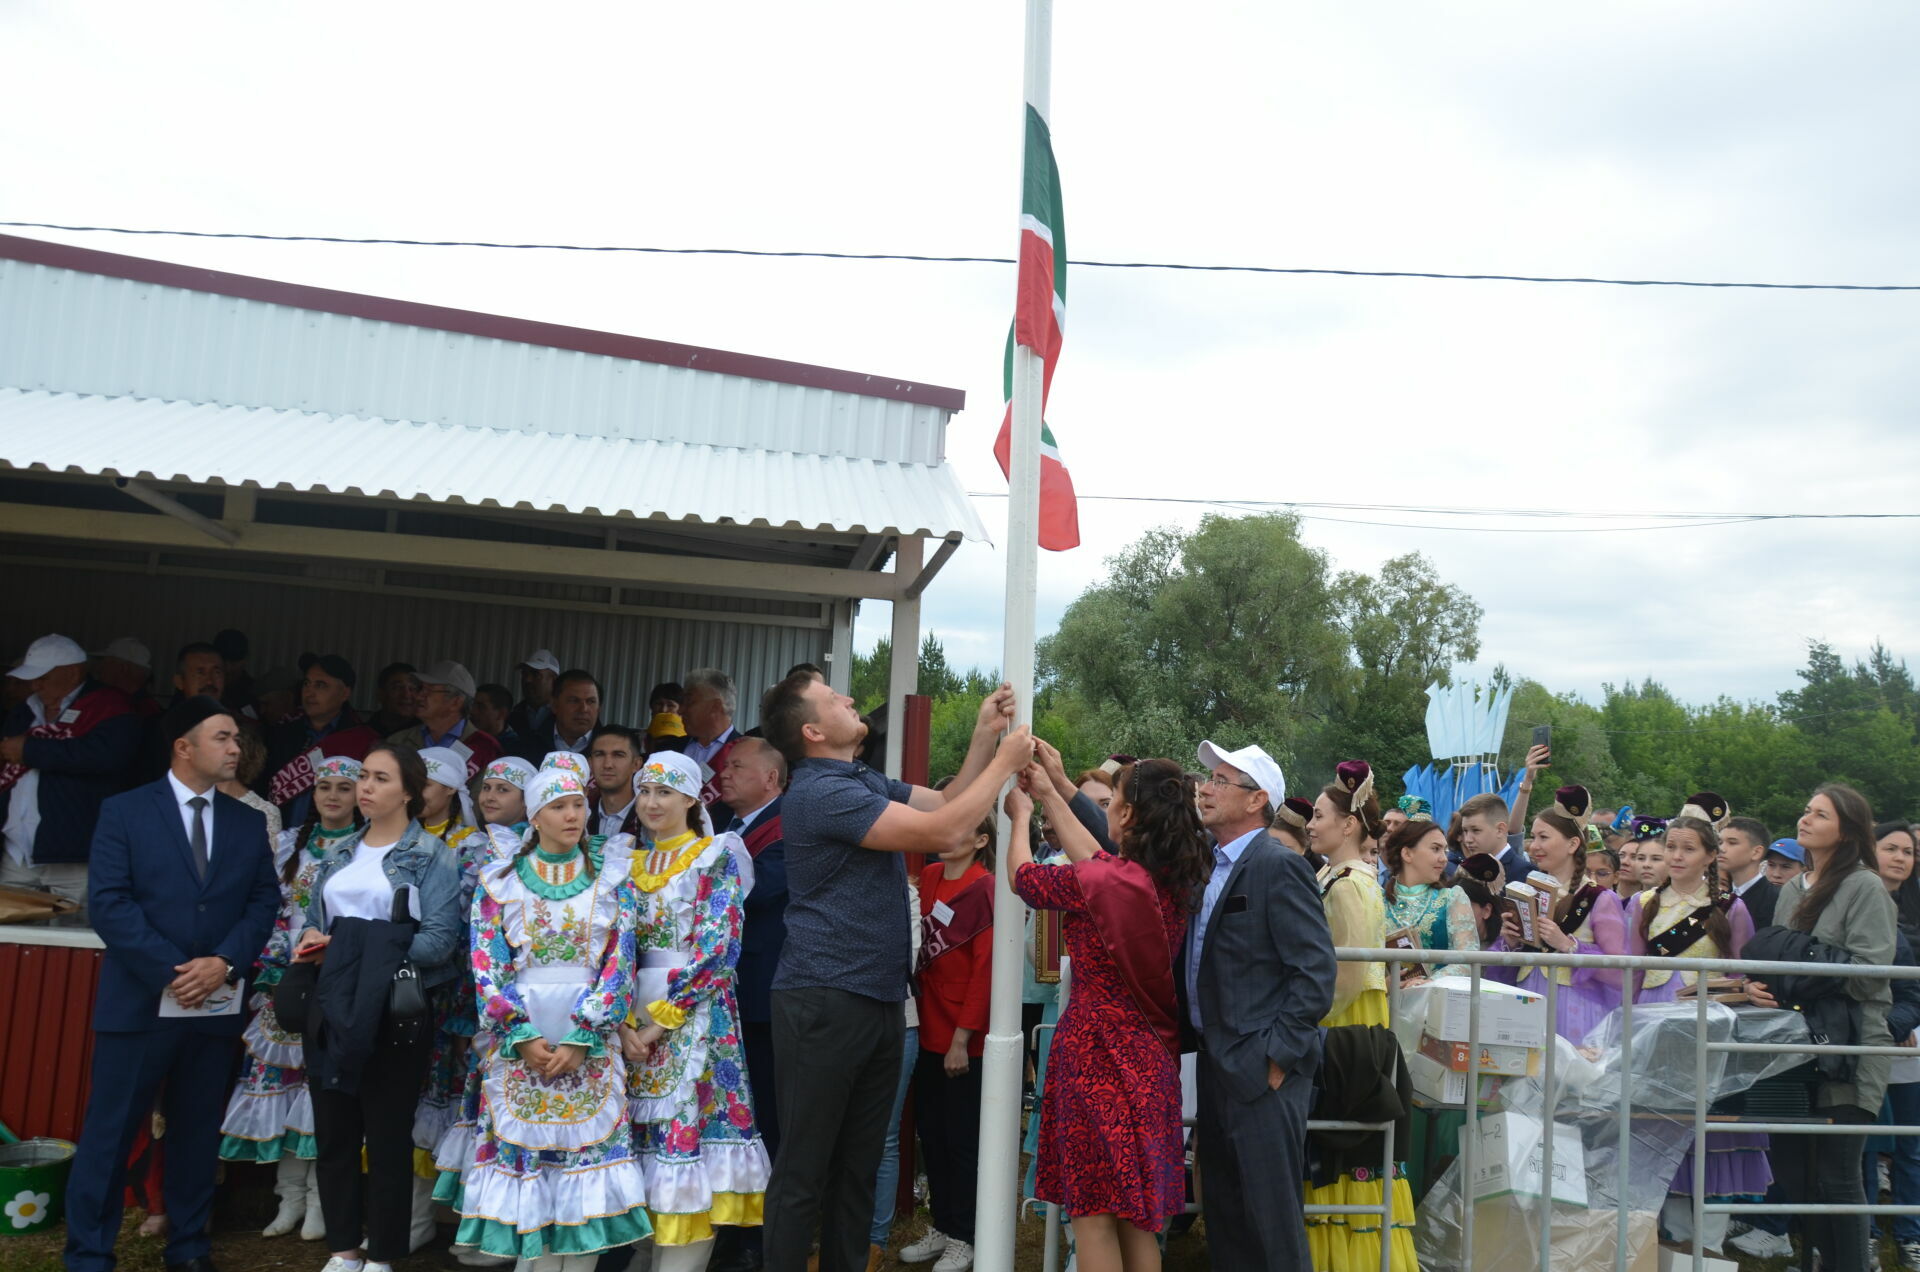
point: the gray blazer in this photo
(1266, 970)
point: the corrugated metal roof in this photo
(78, 331)
(353, 455)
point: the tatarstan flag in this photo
(1039, 317)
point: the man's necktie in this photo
(737, 825)
(198, 804)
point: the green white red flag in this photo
(1039, 318)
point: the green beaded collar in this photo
(524, 867)
(321, 840)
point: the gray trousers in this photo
(837, 1064)
(1252, 1163)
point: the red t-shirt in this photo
(955, 989)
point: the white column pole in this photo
(998, 1193)
(903, 674)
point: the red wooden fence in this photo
(46, 1035)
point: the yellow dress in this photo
(1357, 917)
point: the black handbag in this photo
(293, 996)
(408, 1015)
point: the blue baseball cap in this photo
(1790, 849)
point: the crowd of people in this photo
(584, 985)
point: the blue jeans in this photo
(1902, 1108)
(888, 1181)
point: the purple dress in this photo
(1586, 994)
(1736, 1160)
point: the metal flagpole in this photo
(999, 1179)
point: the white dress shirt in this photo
(747, 820)
(1224, 858)
(705, 751)
(610, 820)
(182, 793)
(1740, 889)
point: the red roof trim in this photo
(466, 321)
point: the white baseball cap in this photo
(50, 651)
(541, 660)
(129, 649)
(1254, 762)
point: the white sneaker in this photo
(958, 1257)
(931, 1246)
(1762, 1245)
(340, 1264)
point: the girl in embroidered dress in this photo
(1587, 919)
(688, 1096)
(448, 816)
(1695, 915)
(502, 806)
(1345, 817)
(270, 1117)
(1437, 916)
(553, 1179)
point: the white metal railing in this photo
(1475, 961)
(1703, 1047)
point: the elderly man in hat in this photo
(446, 694)
(1255, 978)
(63, 750)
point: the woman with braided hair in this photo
(1695, 915)
(1587, 919)
(1110, 1152)
(1346, 818)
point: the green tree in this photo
(1225, 632)
(938, 679)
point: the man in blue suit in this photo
(1254, 979)
(182, 890)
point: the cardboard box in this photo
(1436, 1083)
(1507, 1161)
(1509, 1017)
(1510, 1062)
(1506, 1238)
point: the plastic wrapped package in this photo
(1662, 1062)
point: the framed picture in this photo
(1046, 947)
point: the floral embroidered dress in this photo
(453, 1018)
(691, 1106)
(270, 1112)
(1737, 1164)
(1439, 918)
(1357, 917)
(454, 1153)
(553, 1168)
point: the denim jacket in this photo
(422, 862)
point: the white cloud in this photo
(1718, 140)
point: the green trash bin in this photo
(33, 1185)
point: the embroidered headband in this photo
(1295, 812)
(1709, 808)
(1486, 868)
(1572, 803)
(444, 766)
(337, 766)
(572, 761)
(1645, 828)
(1415, 807)
(512, 770)
(1114, 763)
(550, 784)
(1356, 778)
(674, 771)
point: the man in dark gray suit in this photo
(1256, 977)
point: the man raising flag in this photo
(1039, 319)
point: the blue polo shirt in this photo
(846, 907)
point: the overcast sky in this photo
(1644, 140)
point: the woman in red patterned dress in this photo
(1110, 1151)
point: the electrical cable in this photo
(926, 258)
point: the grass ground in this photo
(245, 1204)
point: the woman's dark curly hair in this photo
(1165, 834)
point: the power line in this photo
(924, 258)
(1664, 520)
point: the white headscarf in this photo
(688, 776)
(445, 766)
(511, 769)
